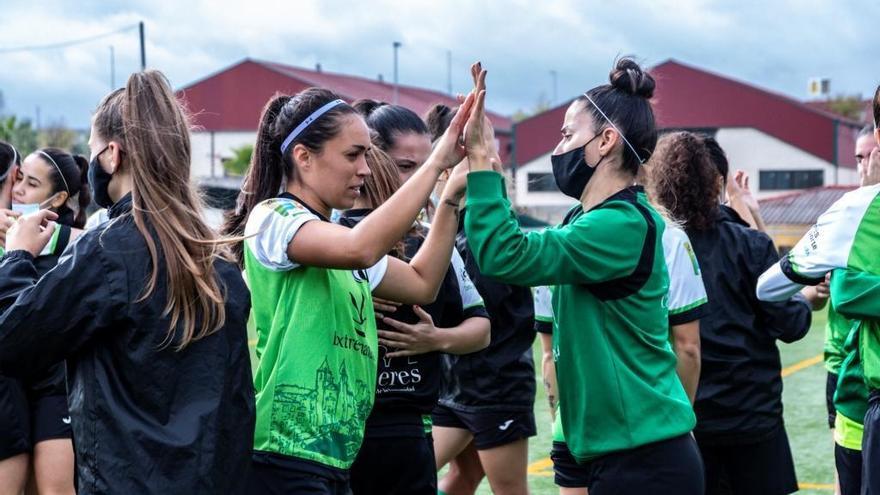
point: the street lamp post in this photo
(396, 46)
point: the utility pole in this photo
(396, 46)
(112, 69)
(143, 48)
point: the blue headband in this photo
(305, 123)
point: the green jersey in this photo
(315, 377)
(615, 366)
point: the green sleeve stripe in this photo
(544, 319)
(689, 307)
(480, 304)
(53, 243)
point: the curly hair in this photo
(682, 179)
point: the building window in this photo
(780, 180)
(542, 182)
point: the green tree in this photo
(849, 106)
(241, 159)
(18, 132)
(57, 135)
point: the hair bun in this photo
(629, 77)
(367, 106)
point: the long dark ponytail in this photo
(269, 168)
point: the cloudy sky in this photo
(774, 44)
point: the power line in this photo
(64, 44)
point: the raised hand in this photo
(449, 151)
(479, 135)
(872, 169)
(32, 232)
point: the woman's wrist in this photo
(479, 160)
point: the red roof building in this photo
(781, 142)
(789, 216)
(231, 100)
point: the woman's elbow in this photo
(485, 335)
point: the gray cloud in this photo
(777, 45)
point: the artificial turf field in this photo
(805, 418)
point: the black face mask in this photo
(99, 181)
(571, 171)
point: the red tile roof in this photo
(232, 99)
(688, 97)
(800, 207)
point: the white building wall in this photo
(752, 150)
(747, 149)
(224, 143)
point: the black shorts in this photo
(830, 388)
(15, 425)
(668, 466)
(567, 473)
(275, 474)
(50, 419)
(490, 429)
(395, 466)
(764, 467)
(871, 446)
(849, 470)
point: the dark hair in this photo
(389, 121)
(625, 100)
(717, 156)
(380, 185)
(9, 157)
(438, 119)
(71, 175)
(269, 168)
(682, 179)
(867, 130)
(876, 106)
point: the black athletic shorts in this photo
(668, 466)
(830, 388)
(395, 466)
(15, 425)
(275, 474)
(871, 447)
(567, 473)
(50, 418)
(490, 429)
(849, 470)
(764, 467)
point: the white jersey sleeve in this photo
(376, 273)
(826, 246)
(470, 297)
(270, 228)
(543, 297)
(687, 294)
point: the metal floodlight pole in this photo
(143, 48)
(112, 69)
(396, 46)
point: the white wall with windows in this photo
(204, 164)
(774, 167)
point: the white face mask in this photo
(28, 208)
